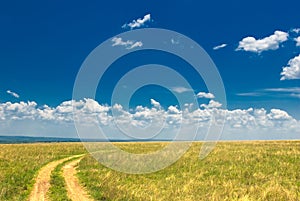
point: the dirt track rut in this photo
(75, 191)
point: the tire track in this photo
(75, 191)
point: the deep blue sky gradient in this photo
(43, 44)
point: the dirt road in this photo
(42, 183)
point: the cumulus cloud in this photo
(205, 95)
(14, 94)
(292, 70)
(271, 42)
(129, 44)
(297, 41)
(180, 89)
(19, 111)
(277, 114)
(251, 119)
(173, 110)
(155, 103)
(211, 104)
(90, 112)
(138, 23)
(219, 46)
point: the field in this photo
(19, 164)
(233, 171)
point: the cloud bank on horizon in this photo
(251, 123)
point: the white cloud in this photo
(292, 70)
(14, 94)
(129, 44)
(219, 46)
(274, 92)
(16, 111)
(249, 94)
(271, 42)
(205, 95)
(28, 117)
(211, 104)
(180, 89)
(138, 23)
(238, 118)
(277, 92)
(174, 42)
(277, 114)
(287, 89)
(136, 44)
(297, 41)
(260, 119)
(296, 95)
(296, 30)
(173, 110)
(155, 103)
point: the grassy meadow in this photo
(19, 164)
(233, 171)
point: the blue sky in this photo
(43, 45)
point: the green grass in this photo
(233, 171)
(19, 164)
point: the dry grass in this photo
(233, 171)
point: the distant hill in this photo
(28, 139)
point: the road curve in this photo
(42, 183)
